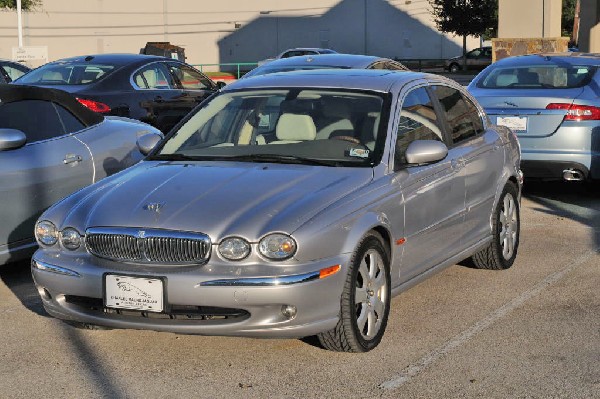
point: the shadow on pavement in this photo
(17, 277)
(571, 200)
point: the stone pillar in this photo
(526, 27)
(589, 18)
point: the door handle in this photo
(457, 164)
(158, 99)
(72, 158)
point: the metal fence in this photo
(238, 68)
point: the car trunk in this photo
(524, 111)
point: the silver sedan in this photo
(290, 205)
(50, 147)
(551, 102)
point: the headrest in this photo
(334, 107)
(295, 127)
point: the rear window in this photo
(67, 74)
(537, 77)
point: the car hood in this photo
(215, 198)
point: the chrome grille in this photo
(148, 245)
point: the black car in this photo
(156, 90)
(10, 70)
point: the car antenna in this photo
(89, 58)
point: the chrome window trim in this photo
(137, 88)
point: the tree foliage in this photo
(568, 16)
(26, 5)
(465, 17)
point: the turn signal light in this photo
(576, 112)
(95, 106)
(329, 271)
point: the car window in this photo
(378, 65)
(36, 118)
(189, 78)
(67, 74)
(14, 71)
(547, 76)
(418, 121)
(153, 77)
(462, 115)
(70, 123)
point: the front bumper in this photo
(199, 301)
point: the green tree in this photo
(567, 18)
(27, 5)
(465, 18)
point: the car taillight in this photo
(95, 106)
(576, 112)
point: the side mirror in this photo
(11, 139)
(147, 142)
(220, 84)
(425, 151)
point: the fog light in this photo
(289, 311)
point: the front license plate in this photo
(134, 293)
(517, 124)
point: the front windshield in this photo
(311, 126)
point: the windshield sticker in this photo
(359, 153)
(264, 121)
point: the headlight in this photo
(234, 248)
(46, 233)
(70, 238)
(277, 246)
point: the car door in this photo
(195, 86)
(480, 152)
(51, 165)
(163, 101)
(433, 194)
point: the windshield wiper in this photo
(280, 158)
(172, 157)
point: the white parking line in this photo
(419, 366)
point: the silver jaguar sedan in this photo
(289, 205)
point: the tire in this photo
(502, 251)
(361, 325)
(454, 67)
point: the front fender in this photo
(317, 240)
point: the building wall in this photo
(232, 30)
(529, 18)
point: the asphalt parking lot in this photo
(531, 331)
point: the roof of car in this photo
(570, 57)
(114, 59)
(361, 79)
(11, 92)
(335, 60)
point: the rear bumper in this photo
(552, 170)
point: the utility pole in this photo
(19, 23)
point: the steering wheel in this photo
(347, 138)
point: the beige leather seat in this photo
(294, 128)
